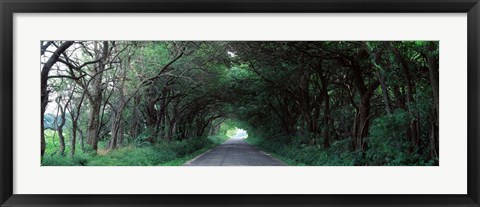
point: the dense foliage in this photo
(309, 103)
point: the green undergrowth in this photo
(337, 154)
(302, 155)
(164, 153)
(386, 145)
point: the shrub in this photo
(387, 144)
(139, 154)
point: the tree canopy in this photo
(310, 102)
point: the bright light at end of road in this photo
(231, 54)
(239, 134)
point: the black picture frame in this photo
(9, 7)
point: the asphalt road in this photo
(234, 152)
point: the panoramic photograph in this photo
(239, 103)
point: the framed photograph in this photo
(239, 103)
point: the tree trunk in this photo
(171, 130)
(117, 123)
(60, 128)
(386, 98)
(82, 140)
(160, 127)
(74, 138)
(433, 73)
(408, 77)
(96, 101)
(433, 68)
(93, 121)
(412, 131)
(74, 117)
(326, 114)
(117, 127)
(152, 113)
(136, 114)
(120, 133)
(400, 100)
(115, 131)
(44, 93)
(362, 121)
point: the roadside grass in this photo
(285, 159)
(304, 155)
(165, 153)
(295, 154)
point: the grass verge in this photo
(165, 153)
